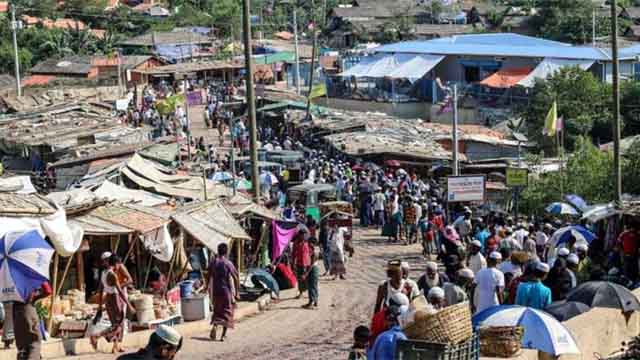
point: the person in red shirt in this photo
(628, 242)
(301, 255)
(26, 324)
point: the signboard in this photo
(517, 177)
(466, 188)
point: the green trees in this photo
(581, 100)
(569, 20)
(588, 172)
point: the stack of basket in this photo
(500, 341)
(449, 325)
(443, 335)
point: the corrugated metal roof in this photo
(502, 44)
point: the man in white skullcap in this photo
(436, 297)
(406, 269)
(489, 284)
(456, 293)
(476, 260)
(572, 265)
(431, 278)
(533, 293)
(164, 344)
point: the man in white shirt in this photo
(379, 200)
(406, 269)
(476, 261)
(489, 284)
(542, 237)
(463, 224)
(520, 234)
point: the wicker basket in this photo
(500, 341)
(451, 325)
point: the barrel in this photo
(195, 308)
(144, 309)
(186, 289)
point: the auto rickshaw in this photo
(310, 196)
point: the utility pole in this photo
(313, 64)
(454, 131)
(120, 92)
(295, 41)
(14, 29)
(616, 102)
(593, 28)
(251, 100)
(186, 114)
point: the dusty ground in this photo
(286, 331)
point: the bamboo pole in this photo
(53, 296)
(132, 247)
(64, 275)
(146, 277)
(80, 269)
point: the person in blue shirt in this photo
(384, 348)
(534, 293)
(482, 233)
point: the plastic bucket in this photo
(186, 289)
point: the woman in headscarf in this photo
(559, 280)
(223, 285)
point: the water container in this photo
(144, 309)
(186, 289)
(195, 308)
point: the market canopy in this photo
(399, 66)
(506, 78)
(548, 66)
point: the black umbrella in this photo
(605, 294)
(565, 310)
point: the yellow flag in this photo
(318, 91)
(551, 122)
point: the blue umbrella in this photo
(562, 235)
(577, 202)
(541, 330)
(560, 208)
(221, 176)
(24, 264)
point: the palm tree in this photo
(57, 44)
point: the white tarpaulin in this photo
(399, 66)
(113, 191)
(548, 66)
(159, 243)
(66, 238)
(21, 184)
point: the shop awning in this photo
(399, 66)
(548, 66)
(506, 78)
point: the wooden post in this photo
(139, 265)
(64, 275)
(54, 287)
(239, 243)
(146, 277)
(132, 247)
(80, 270)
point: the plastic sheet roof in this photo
(549, 66)
(501, 44)
(506, 78)
(409, 66)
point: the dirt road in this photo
(286, 331)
